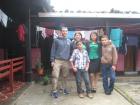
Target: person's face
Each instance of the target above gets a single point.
(104, 41)
(64, 32)
(93, 37)
(77, 37)
(79, 45)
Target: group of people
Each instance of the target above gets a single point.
(86, 58)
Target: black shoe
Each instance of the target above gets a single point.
(54, 94)
(107, 92)
(93, 90)
(66, 92)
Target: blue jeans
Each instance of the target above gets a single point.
(108, 76)
(84, 74)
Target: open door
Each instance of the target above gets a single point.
(130, 59)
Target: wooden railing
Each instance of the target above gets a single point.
(18, 64)
(11, 66)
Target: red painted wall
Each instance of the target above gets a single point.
(120, 63)
(138, 60)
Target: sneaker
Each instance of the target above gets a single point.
(81, 95)
(55, 94)
(66, 92)
(107, 92)
(89, 95)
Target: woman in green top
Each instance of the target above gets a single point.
(94, 55)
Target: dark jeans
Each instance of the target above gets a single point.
(81, 73)
(108, 76)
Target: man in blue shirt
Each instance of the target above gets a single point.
(60, 54)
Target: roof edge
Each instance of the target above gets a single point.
(88, 15)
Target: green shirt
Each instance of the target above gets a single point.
(84, 47)
(94, 50)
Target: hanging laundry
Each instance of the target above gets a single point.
(56, 33)
(49, 32)
(116, 37)
(0, 15)
(21, 32)
(100, 33)
(43, 34)
(3, 18)
(43, 31)
(37, 38)
(38, 28)
(70, 34)
(123, 48)
(132, 40)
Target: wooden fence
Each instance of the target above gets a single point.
(9, 67)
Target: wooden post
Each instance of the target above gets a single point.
(28, 69)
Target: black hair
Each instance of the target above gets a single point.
(78, 32)
(95, 33)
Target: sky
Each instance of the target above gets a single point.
(96, 5)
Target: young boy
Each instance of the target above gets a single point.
(80, 64)
(108, 61)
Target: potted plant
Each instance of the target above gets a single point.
(45, 80)
(39, 68)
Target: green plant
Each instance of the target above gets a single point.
(46, 79)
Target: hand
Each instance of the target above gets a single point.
(86, 68)
(114, 67)
(52, 64)
(74, 69)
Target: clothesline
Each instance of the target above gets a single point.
(103, 26)
(84, 28)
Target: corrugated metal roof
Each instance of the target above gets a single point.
(90, 15)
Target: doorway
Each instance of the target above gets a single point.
(130, 59)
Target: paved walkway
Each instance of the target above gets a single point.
(129, 87)
(37, 94)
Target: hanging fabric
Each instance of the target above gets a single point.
(49, 32)
(56, 33)
(132, 40)
(43, 31)
(21, 32)
(116, 37)
(0, 15)
(43, 34)
(123, 48)
(3, 18)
